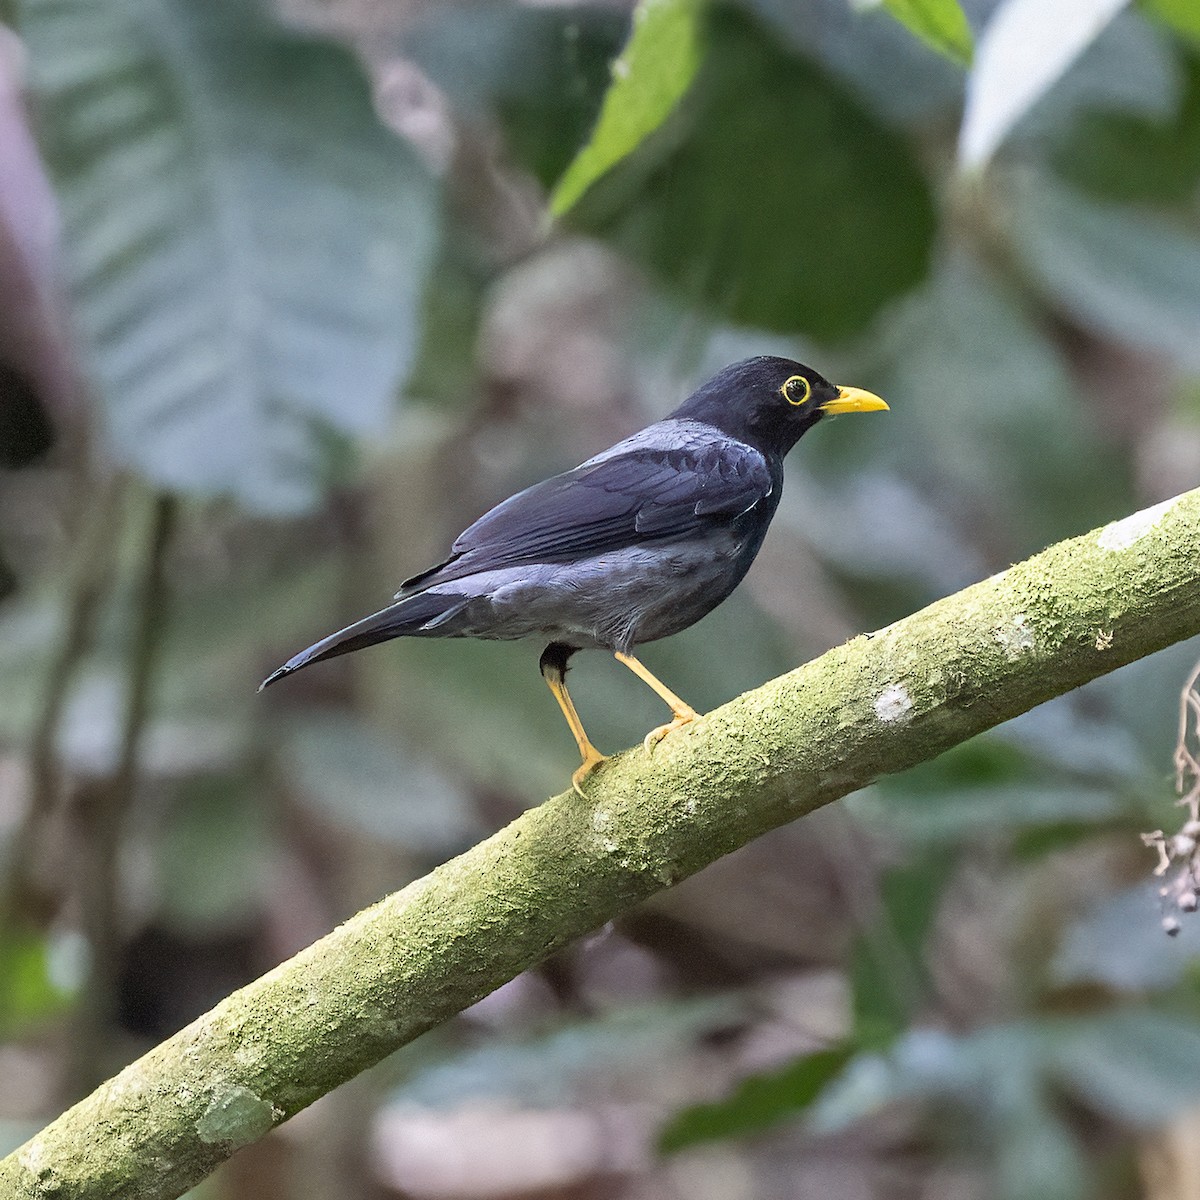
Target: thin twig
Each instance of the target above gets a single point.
(1187, 763)
(26, 897)
(1181, 891)
(103, 804)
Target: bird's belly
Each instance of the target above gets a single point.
(613, 600)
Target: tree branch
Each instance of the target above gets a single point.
(878, 704)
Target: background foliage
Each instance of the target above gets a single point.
(325, 282)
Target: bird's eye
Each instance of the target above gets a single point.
(796, 390)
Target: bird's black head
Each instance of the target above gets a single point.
(770, 402)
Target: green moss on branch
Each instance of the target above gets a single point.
(878, 704)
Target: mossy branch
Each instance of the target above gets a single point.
(878, 704)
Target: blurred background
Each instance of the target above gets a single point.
(290, 295)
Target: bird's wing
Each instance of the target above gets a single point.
(657, 485)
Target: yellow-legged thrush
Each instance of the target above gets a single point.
(635, 544)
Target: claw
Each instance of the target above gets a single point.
(585, 768)
(656, 735)
(683, 712)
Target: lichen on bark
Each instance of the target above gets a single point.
(880, 703)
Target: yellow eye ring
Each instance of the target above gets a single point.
(791, 390)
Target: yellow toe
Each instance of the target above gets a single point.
(656, 735)
(585, 768)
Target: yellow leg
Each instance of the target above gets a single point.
(683, 712)
(591, 756)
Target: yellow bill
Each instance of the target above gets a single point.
(852, 399)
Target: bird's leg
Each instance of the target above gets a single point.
(684, 713)
(553, 666)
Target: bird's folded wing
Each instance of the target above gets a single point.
(627, 496)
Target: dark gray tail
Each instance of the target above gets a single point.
(423, 613)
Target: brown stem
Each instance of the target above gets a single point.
(27, 897)
(102, 805)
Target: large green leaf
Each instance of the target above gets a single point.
(977, 812)
(940, 23)
(247, 243)
(654, 71)
(777, 200)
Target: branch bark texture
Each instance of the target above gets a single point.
(876, 705)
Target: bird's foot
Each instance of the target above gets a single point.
(591, 761)
(683, 716)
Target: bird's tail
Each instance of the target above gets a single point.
(423, 613)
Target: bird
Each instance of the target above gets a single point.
(635, 544)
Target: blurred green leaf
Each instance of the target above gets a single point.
(1132, 1065)
(1124, 273)
(1034, 781)
(1036, 1153)
(248, 243)
(1182, 15)
(779, 202)
(1080, 737)
(214, 857)
(1123, 156)
(975, 812)
(654, 71)
(939, 23)
(1023, 51)
(889, 973)
(544, 1069)
(1136, 1066)
(360, 779)
(759, 1102)
(999, 1084)
(925, 1065)
(1119, 944)
(542, 70)
(29, 991)
(983, 401)
(544, 125)
(900, 78)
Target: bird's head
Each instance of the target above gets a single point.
(770, 402)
